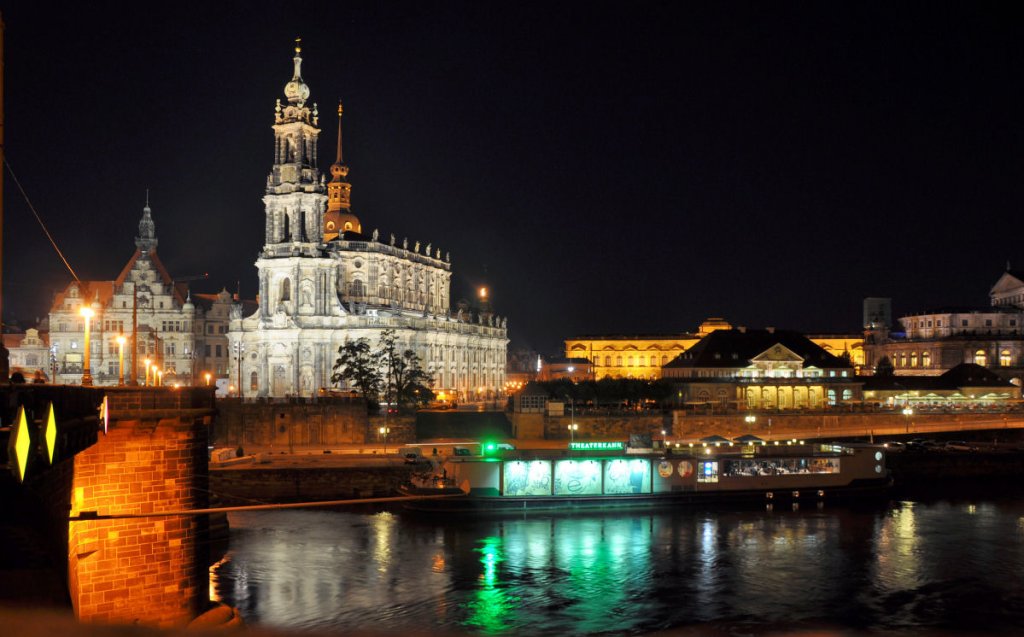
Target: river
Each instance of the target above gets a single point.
(914, 568)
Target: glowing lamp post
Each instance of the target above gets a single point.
(573, 427)
(907, 413)
(120, 359)
(86, 371)
(207, 376)
(160, 378)
(384, 434)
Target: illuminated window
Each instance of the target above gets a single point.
(254, 382)
(1004, 358)
(926, 359)
(980, 358)
(913, 359)
(832, 397)
(847, 394)
(707, 471)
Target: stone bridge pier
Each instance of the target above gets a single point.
(126, 562)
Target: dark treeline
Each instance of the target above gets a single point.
(610, 392)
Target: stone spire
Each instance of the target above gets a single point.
(146, 241)
(339, 217)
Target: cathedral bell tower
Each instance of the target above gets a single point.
(294, 198)
(339, 218)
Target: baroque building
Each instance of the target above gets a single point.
(154, 313)
(324, 281)
(644, 356)
(933, 342)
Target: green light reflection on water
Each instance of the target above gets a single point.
(600, 566)
(491, 606)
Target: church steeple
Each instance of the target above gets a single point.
(339, 218)
(146, 241)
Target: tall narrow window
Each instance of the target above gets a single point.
(980, 358)
(286, 290)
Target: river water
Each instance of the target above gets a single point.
(914, 568)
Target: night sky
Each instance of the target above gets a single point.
(602, 167)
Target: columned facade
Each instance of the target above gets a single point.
(323, 282)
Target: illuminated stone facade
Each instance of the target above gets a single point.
(643, 356)
(636, 356)
(172, 329)
(762, 369)
(930, 343)
(323, 282)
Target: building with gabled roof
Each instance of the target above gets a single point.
(169, 330)
(964, 386)
(762, 369)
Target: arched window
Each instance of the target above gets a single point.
(913, 359)
(1004, 358)
(254, 382)
(618, 361)
(607, 361)
(926, 359)
(903, 360)
(630, 361)
(357, 288)
(847, 394)
(980, 358)
(664, 360)
(286, 290)
(832, 397)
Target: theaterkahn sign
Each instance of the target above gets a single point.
(596, 445)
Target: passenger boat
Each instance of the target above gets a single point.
(610, 474)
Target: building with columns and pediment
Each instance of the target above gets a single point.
(324, 281)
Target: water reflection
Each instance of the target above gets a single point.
(902, 567)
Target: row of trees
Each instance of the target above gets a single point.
(389, 370)
(620, 392)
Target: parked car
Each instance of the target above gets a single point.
(960, 445)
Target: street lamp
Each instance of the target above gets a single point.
(750, 419)
(120, 359)
(147, 361)
(53, 363)
(86, 313)
(572, 432)
(159, 378)
(384, 432)
(907, 413)
(207, 376)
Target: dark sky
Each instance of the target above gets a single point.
(602, 167)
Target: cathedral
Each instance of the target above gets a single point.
(324, 281)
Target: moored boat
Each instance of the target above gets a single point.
(610, 474)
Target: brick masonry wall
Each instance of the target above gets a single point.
(150, 570)
(290, 424)
(234, 486)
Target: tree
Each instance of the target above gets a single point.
(360, 368)
(884, 367)
(404, 377)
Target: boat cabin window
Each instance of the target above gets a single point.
(707, 471)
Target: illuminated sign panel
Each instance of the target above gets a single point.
(578, 477)
(597, 446)
(527, 478)
(622, 476)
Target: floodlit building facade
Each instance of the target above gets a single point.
(933, 342)
(325, 281)
(154, 313)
